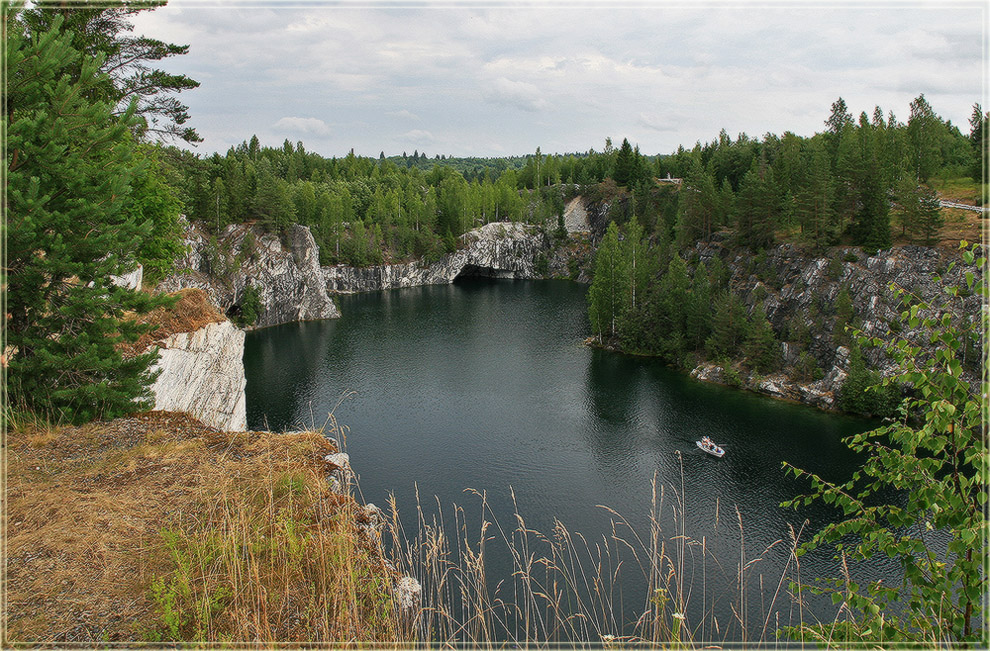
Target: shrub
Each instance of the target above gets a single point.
(834, 270)
(251, 306)
(861, 392)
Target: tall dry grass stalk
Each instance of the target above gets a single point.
(566, 588)
(274, 556)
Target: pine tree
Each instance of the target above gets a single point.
(758, 207)
(673, 298)
(978, 141)
(923, 134)
(844, 313)
(728, 327)
(814, 200)
(700, 206)
(68, 231)
(100, 32)
(699, 308)
(838, 121)
(930, 219)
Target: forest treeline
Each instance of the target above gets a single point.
(836, 184)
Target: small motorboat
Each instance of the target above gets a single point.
(710, 447)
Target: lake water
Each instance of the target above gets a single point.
(486, 385)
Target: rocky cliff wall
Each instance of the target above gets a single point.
(202, 374)
(498, 250)
(799, 292)
(286, 275)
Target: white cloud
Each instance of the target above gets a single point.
(314, 126)
(660, 73)
(520, 94)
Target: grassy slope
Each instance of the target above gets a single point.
(157, 528)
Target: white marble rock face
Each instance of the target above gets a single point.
(202, 374)
(499, 250)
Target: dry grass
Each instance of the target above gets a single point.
(155, 528)
(191, 311)
(567, 589)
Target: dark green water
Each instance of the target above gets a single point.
(486, 385)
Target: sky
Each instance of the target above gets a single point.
(493, 79)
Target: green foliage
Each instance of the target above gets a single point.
(250, 305)
(729, 324)
(978, 140)
(834, 270)
(731, 375)
(761, 346)
(924, 132)
(862, 392)
(100, 32)
(843, 316)
(624, 164)
(934, 456)
(541, 265)
(758, 207)
(152, 201)
(68, 230)
(806, 368)
(609, 286)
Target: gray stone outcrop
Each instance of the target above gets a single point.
(285, 274)
(799, 289)
(202, 374)
(497, 250)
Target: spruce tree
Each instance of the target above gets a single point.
(761, 346)
(728, 327)
(608, 289)
(699, 308)
(625, 164)
(930, 220)
(68, 231)
(924, 130)
(758, 207)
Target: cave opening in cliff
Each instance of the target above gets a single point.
(474, 271)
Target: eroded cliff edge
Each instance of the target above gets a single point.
(200, 366)
(283, 273)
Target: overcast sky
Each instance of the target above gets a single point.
(493, 80)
